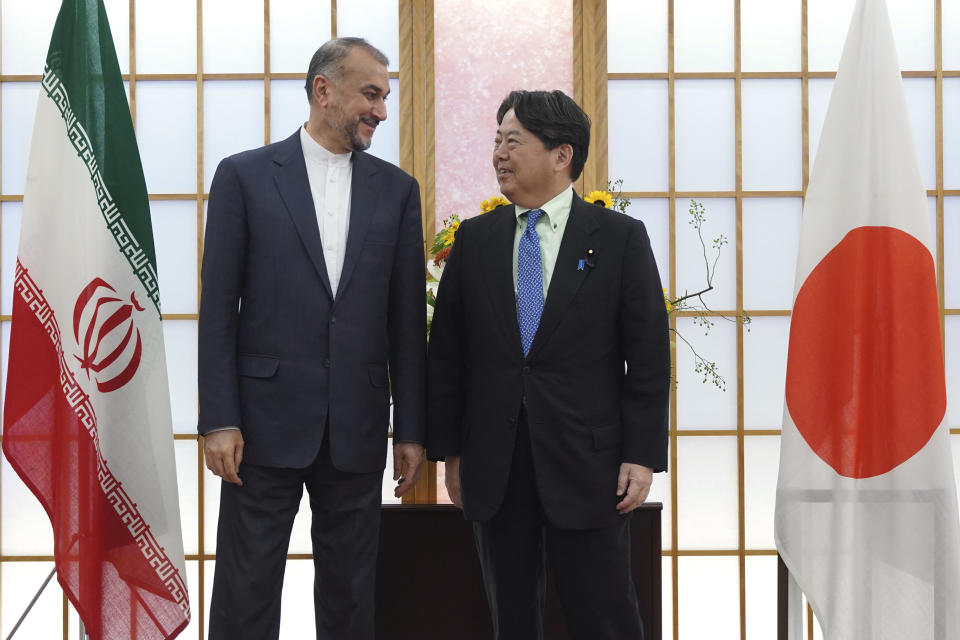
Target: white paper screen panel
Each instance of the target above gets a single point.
(24, 52)
(296, 603)
(4, 357)
(760, 580)
(226, 24)
(705, 126)
(232, 121)
(771, 238)
(297, 29)
(827, 25)
(772, 134)
(952, 356)
(666, 596)
(19, 582)
(818, 98)
(386, 139)
(26, 528)
(912, 22)
(922, 109)
(209, 570)
(300, 534)
(721, 219)
(167, 135)
(378, 21)
(289, 108)
(950, 14)
(118, 16)
(770, 35)
(701, 405)
(951, 252)
(761, 461)
(186, 460)
(637, 36)
(211, 510)
(19, 103)
(175, 239)
(709, 597)
(707, 492)
(660, 492)
(955, 447)
(765, 371)
(951, 131)
(655, 214)
(193, 588)
(180, 342)
(639, 143)
(10, 215)
(166, 36)
(703, 35)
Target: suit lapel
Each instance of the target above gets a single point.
(294, 187)
(364, 191)
(498, 264)
(567, 278)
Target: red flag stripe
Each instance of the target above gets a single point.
(109, 563)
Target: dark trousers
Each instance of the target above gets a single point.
(591, 567)
(254, 535)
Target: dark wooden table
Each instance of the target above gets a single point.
(429, 585)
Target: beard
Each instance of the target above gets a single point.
(351, 130)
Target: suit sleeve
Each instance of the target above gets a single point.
(407, 326)
(224, 257)
(644, 401)
(446, 355)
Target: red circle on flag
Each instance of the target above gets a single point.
(865, 378)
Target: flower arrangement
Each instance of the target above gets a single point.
(690, 304)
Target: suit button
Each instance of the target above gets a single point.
(526, 369)
(333, 319)
(326, 363)
(512, 422)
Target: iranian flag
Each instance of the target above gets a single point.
(866, 515)
(87, 414)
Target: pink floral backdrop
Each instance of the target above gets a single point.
(484, 50)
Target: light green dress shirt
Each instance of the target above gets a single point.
(549, 228)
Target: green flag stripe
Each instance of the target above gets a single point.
(83, 79)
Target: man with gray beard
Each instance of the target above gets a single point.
(311, 316)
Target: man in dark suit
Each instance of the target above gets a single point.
(549, 377)
(311, 315)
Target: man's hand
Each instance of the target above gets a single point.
(408, 459)
(451, 478)
(633, 485)
(223, 451)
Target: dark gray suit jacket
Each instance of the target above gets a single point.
(280, 356)
(596, 380)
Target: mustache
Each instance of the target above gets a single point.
(372, 122)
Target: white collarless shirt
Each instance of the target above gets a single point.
(329, 175)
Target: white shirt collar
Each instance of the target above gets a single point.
(313, 151)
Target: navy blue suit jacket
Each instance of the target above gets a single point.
(279, 355)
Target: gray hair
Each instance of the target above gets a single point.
(328, 59)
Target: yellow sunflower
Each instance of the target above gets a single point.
(493, 203)
(601, 198)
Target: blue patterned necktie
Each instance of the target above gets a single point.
(529, 281)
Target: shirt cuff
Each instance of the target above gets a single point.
(221, 429)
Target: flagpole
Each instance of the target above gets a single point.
(36, 597)
(83, 630)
